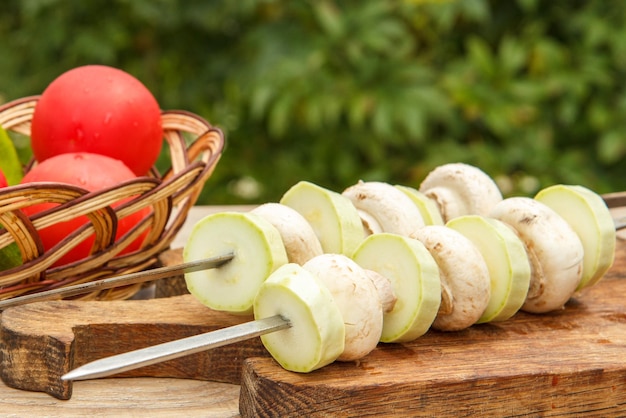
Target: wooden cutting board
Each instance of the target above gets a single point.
(571, 362)
(43, 341)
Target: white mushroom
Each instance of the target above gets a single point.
(298, 236)
(465, 283)
(461, 189)
(357, 299)
(384, 208)
(554, 249)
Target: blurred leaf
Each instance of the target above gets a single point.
(481, 56)
(329, 17)
(612, 147)
(359, 109)
(413, 120)
(382, 119)
(528, 5)
(279, 115)
(260, 100)
(313, 113)
(332, 109)
(512, 55)
(334, 91)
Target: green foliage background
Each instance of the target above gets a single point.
(329, 91)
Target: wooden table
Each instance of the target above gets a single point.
(136, 397)
(130, 397)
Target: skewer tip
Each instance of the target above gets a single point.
(86, 372)
(73, 375)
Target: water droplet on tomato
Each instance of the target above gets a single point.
(107, 118)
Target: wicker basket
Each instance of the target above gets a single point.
(170, 197)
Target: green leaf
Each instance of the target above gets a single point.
(528, 5)
(312, 113)
(10, 256)
(382, 119)
(611, 147)
(279, 116)
(329, 18)
(259, 101)
(512, 54)
(332, 110)
(414, 121)
(359, 108)
(9, 161)
(481, 55)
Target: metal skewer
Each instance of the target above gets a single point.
(123, 280)
(177, 348)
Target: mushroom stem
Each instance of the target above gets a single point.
(384, 288)
(447, 299)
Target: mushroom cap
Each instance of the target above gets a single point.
(465, 281)
(461, 189)
(555, 251)
(384, 208)
(297, 234)
(357, 299)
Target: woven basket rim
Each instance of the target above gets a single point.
(168, 195)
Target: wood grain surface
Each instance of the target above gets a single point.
(152, 397)
(566, 363)
(42, 341)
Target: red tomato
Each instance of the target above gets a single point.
(91, 172)
(102, 110)
(3, 180)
